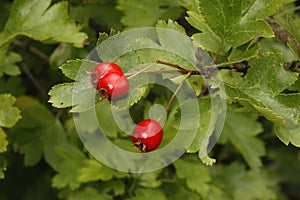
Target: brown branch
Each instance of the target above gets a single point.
(282, 34)
(179, 69)
(35, 82)
(34, 51)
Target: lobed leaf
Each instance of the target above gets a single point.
(196, 176)
(262, 90)
(38, 135)
(241, 130)
(40, 21)
(139, 13)
(8, 66)
(9, 114)
(233, 23)
(239, 183)
(93, 170)
(3, 141)
(77, 69)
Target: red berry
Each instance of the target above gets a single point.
(103, 69)
(113, 85)
(147, 135)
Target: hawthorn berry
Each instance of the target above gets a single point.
(103, 69)
(147, 135)
(113, 85)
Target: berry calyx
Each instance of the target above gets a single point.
(147, 135)
(103, 69)
(113, 85)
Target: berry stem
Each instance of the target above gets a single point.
(172, 98)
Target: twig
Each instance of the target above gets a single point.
(25, 45)
(282, 34)
(35, 82)
(179, 69)
(152, 71)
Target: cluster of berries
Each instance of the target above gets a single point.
(109, 79)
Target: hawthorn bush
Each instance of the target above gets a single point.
(255, 44)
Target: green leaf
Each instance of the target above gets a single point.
(86, 193)
(273, 45)
(265, 80)
(61, 95)
(179, 191)
(74, 69)
(195, 174)
(295, 86)
(143, 13)
(40, 21)
(293, 48)
(68, 163)
(291, 24)
(148, 194)
(262, 90)
(269, 114)
(170, 24)
(64, 52)
(232, 24)
(12, 85)
(9, 114)
(244, 52)
(210, 124)
(28, 135)
(242, 184)
(93, 170)
(7, 66)
(209, 42)
(241, 130)
(79, 95)
(288, 135)
(260, 78)
(100, 12)
(204, 128)
(3, 141)
(38, 135)
(183, 47)
(149, 180)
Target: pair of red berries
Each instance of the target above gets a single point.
(109, 80)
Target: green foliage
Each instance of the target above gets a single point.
(51, 21)
(243, 136)
(233, 24)
(144, 10)
(255, 45)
